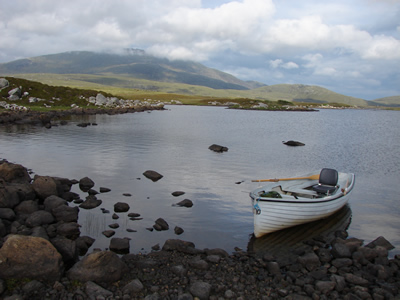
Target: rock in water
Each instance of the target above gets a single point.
(218, 148)
(153, 175)
(293, 143)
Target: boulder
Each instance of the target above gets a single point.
(7, 214)
(3, 83)
(178, 193)
(294, 143)
(91, 202)
(44, 186)
(218, 148)
(30, 257)
(185, 203)
(38, 218)
(26, 207)
(52, 202)
(310, 261)
(104, 190)
(121, 207)
(40, 231)
(153, 175)
(67, 248)
(14, 173)
(69, 230)
(380, 241)
(133, 287)
(63, 184)
(200, 290)
(161, 224)
(119, 245)
(178, 230)
(85, 184)
(182, 246)
(66, 213)
(102, 266)
(15, 94)
(9, 197)
(340, 250)
(101, 100)
(3, 229)
(83, 243)
(96, 291)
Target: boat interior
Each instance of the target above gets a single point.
(328, 184)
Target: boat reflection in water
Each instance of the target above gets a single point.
(291, 240)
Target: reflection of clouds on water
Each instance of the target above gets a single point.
(175, 143)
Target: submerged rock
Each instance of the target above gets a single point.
(153, 175)
(185, 203)
(218, 148)
(294, 143)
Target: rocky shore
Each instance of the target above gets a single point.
(43, 256)
(55, 117)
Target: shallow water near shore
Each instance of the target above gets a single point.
(175, 142)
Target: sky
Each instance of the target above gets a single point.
(351, 47)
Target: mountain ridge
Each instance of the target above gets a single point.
(135, 69)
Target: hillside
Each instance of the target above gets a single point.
(393, 101)
(134, 64)
(136, 70)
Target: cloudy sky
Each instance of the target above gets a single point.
(348, 46)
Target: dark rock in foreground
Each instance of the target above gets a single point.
(218, 148)
(40, 245)
(30, 257)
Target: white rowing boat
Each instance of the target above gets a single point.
(288, 202)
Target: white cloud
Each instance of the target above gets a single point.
(303, 41)
(275, 63)
(290, 65)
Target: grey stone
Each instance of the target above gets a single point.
(153, 175)
(133, 287)
(85, 184)
(121, 207)
(201, 290)
(101, 266)
(20, 257)
(340, 250)
(38, 218)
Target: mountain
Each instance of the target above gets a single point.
(134, 69)
(133, 63)
(393, 101)
(307, 93)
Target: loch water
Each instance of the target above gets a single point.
(175, 142)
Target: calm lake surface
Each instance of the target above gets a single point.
(175, 143)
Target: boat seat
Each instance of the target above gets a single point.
(328, 179)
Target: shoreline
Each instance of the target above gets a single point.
(36, 215)
(48, 118)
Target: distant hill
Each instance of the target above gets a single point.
(393, 101)
(134, 69)
(133, 63)
(307, 93)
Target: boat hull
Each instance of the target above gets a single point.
(273, 214)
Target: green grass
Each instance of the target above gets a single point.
(61, 91)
